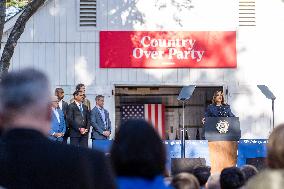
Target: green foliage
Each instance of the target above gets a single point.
(16, 3)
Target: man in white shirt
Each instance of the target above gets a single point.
(58, 126)
(59, 92)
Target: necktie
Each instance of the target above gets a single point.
(103, 117)
(81, 109)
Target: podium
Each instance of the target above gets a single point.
(223, 134)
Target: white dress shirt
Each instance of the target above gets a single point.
(102, 112)
(56, 114)
(60, 104)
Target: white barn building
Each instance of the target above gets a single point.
(58, 41)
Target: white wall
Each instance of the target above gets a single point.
(53, 43)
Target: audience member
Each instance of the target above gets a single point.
(249, 171)
(181, 166)
(167, 177)
(213, 182)
(185, 181)
(268, 179)
(232, 178)
(202, 174)
(138, 156)
(28, 159)
(275, 149)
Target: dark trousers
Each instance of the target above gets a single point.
(65, 140)
(79, 141)
(65, 137)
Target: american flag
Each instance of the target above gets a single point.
(154, 113)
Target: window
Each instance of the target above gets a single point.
(88, 14)
(247, 13)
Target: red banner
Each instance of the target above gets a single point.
(157, 49)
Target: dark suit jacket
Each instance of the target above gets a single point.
(29, 160)
(64, 108)
(98, 123)
(218, 111)
(76, 120)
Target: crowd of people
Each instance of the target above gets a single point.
(33, 153)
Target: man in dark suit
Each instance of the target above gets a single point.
(82, 87)
(27, 158)
(100, 121)
(79, 120)
(59, 92)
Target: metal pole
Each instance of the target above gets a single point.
(273, 114)
(182, 132)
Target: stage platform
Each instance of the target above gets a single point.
(250, 151)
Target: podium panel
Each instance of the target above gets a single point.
(222, 129)
(222, 134)
(222, 154)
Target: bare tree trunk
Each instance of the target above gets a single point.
(16, 33)
(2, 18)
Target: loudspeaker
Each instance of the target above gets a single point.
(179, 165)
(258, 162)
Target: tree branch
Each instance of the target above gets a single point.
(2, 18)
(16, 33)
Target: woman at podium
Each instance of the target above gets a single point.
(218, 108)
(223, 152)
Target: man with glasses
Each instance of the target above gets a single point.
(58, 126)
